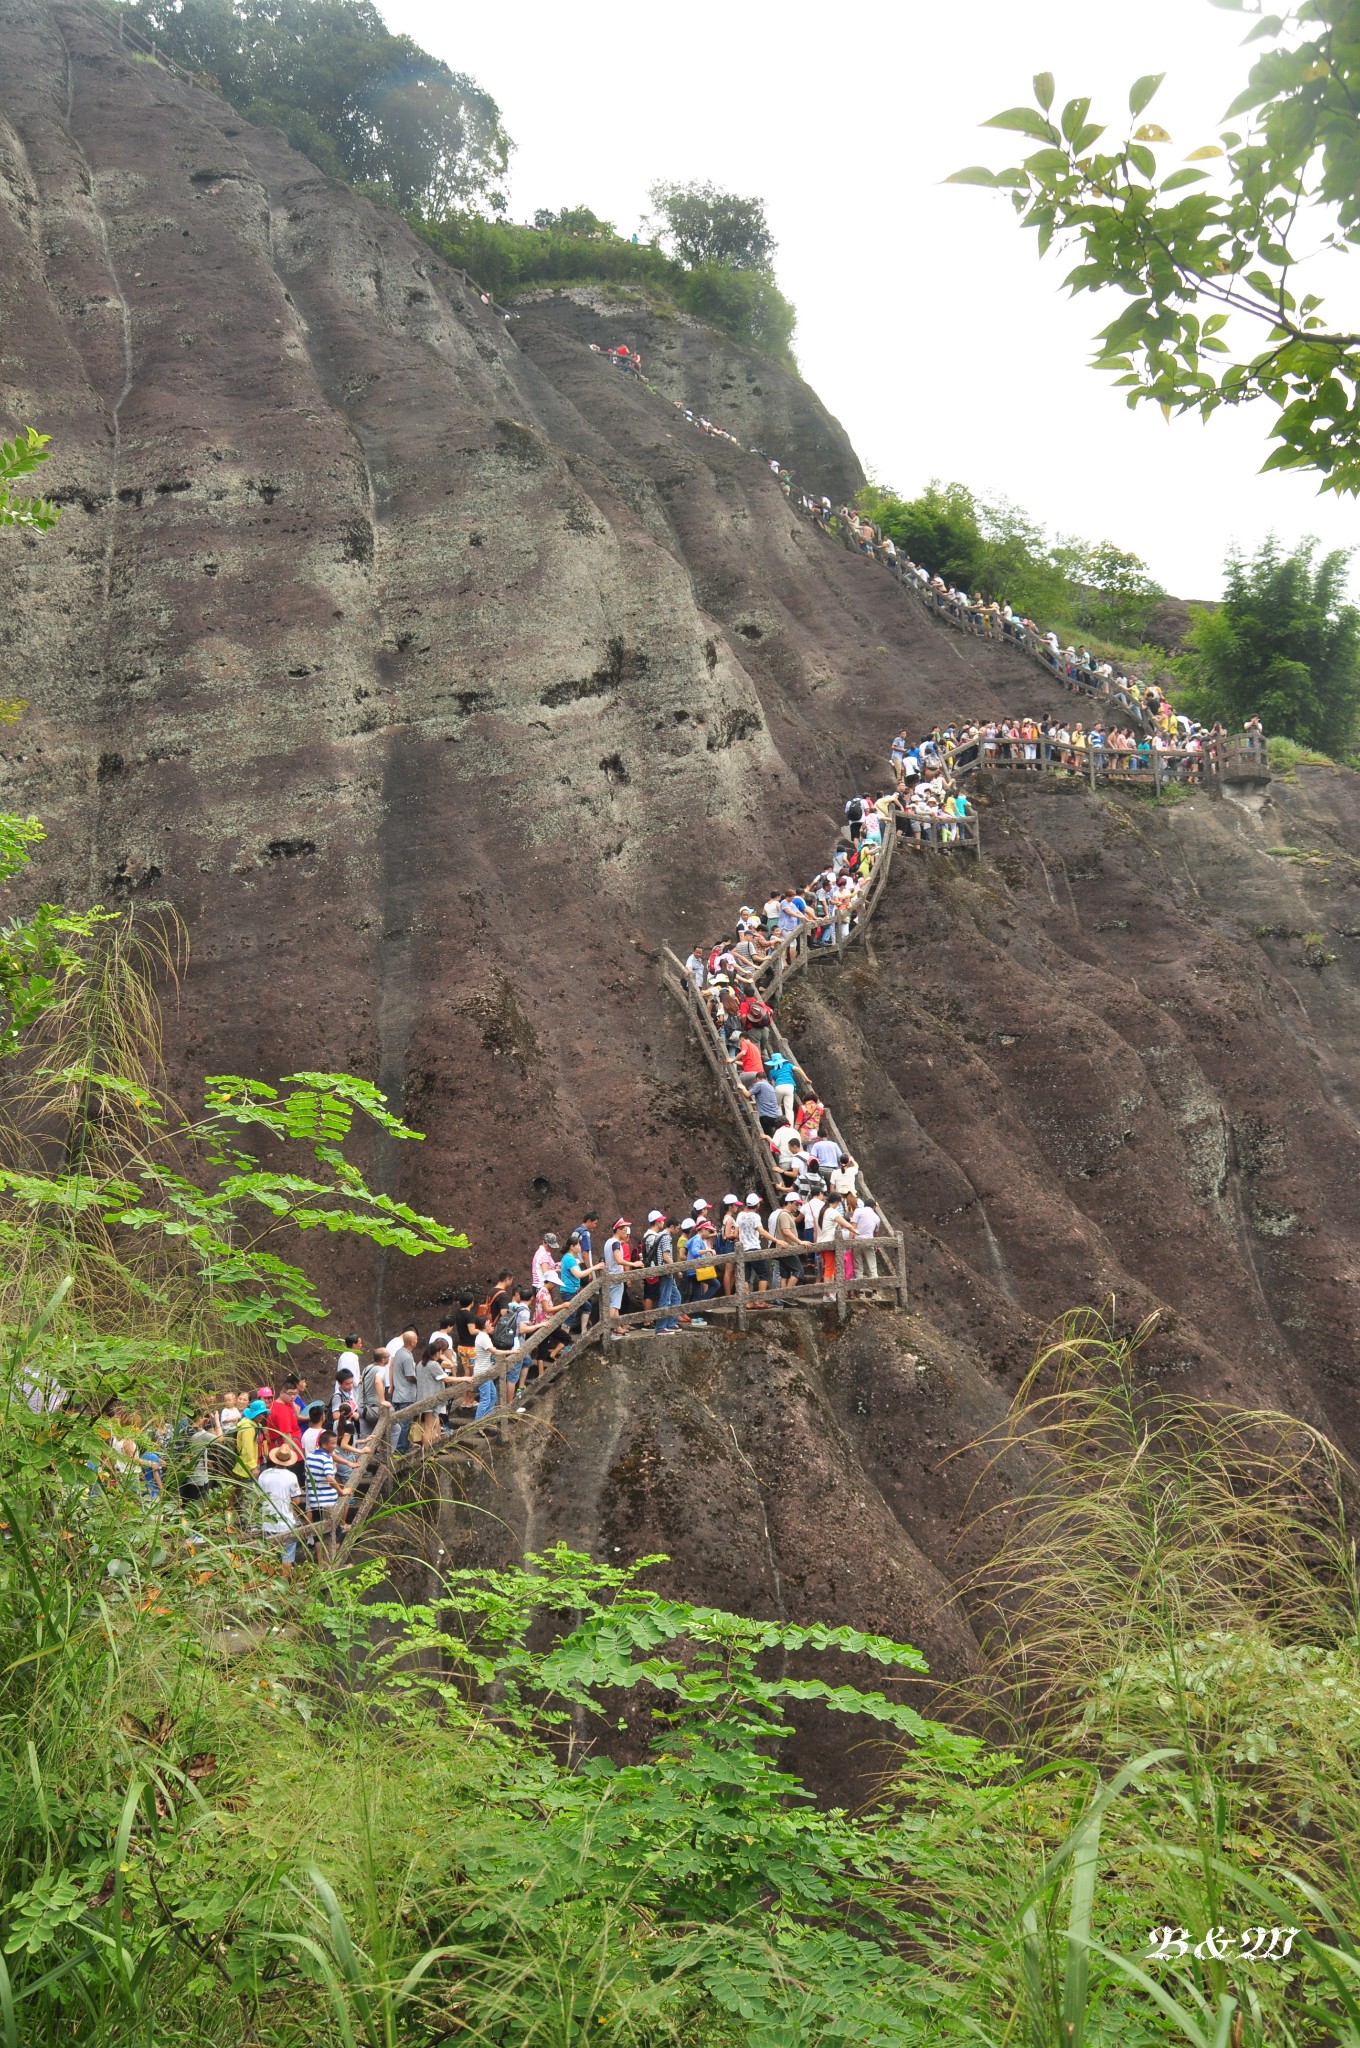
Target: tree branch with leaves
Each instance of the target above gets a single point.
(18, 458)
(1207, 246)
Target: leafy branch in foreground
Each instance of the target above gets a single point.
(1193, 247)
(162, 1214)
(20, 457)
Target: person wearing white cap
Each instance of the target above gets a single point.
(750, 1231)
(727, 1238)
(667, 1292)
(651, 1255)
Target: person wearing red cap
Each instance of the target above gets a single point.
(619, 1263)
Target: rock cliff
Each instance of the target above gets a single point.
(437, 675)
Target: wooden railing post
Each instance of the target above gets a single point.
(839, 1242)
(742, 1290)
(1156, 755)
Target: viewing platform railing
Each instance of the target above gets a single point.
(1237, 758)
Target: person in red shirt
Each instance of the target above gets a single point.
(281, 1424)
(749, 1058)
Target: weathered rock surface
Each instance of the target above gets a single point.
(437, 675)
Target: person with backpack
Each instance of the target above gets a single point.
(667, 1289)
(345, 1396)
(651, 1256)
(508, 1329)
(854, 817)
(487, 1356)
(373, 1394)
(756, 1019)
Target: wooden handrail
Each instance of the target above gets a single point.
(1219, 760)
(379, 1461)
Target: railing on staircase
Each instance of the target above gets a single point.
(1217, 760)
(792, 957)
(873, 1269)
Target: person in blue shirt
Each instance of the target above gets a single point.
(699, 1247)
(779, 1072)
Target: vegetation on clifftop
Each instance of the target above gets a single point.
(407, 130)
(506, 258)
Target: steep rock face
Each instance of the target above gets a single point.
(437, 674)
(797, 1472)
(744, 393)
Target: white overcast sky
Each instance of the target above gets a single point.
(926, 321)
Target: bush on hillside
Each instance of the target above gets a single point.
(506, 258)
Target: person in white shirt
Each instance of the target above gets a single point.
(278, 1482)
(750, 1233)
(865, 1225)
(349, 1357)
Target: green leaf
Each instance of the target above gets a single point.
(1143, 91)
(1043, 89)
(1180, 178)
(1150, 132)
(975, 174)
(1074, 118)
(1026, 122)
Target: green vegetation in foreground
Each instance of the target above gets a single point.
(1204, 246)
(546, 1805)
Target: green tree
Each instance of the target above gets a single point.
(1113, 592)
(361, 102)
(703, 225)
(1205, 247)
(995, 550)
(1284, 645)
(573, 220)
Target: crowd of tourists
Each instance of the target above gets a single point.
(1144, 702)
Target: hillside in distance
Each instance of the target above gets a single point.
(437, 676)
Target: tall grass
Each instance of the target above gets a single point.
(1173, 1654)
